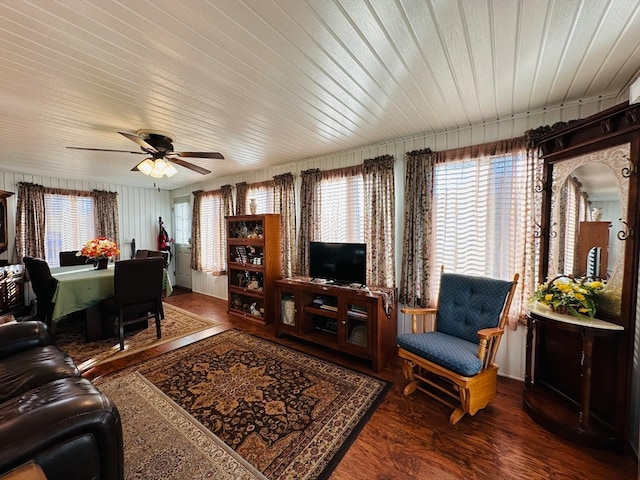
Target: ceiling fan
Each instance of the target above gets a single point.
(160, 147)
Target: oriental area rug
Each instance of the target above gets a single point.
(70, 337)
(237, 406)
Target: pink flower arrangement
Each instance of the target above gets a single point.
(99, 248)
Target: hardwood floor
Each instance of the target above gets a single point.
(410, 437)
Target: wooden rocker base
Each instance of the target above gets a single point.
(465, 395)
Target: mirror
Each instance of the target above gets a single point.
(587, 227)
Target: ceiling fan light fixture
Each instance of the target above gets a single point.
(157, 168)
(170, 171)
(146, 166)
(160, 165)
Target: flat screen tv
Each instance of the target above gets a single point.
(342, 263)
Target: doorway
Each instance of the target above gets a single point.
(182, 241)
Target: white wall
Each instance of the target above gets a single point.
(140, 208)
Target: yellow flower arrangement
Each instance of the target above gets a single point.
(565, 294)
(100, 247)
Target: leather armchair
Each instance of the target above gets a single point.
(50, 415)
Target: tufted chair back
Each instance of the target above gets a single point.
(468, 304)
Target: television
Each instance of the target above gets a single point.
(341, 263)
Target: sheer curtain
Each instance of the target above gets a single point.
(480, 214)
(262, 193)
(284, 199)
(208, 229)
(340, 205)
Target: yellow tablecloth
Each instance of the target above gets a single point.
(82, 286)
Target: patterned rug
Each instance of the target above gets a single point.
(70, 337)
(288, 414)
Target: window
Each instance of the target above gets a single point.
(263, 194)
(341, 199)
(479, 216)
(213, 236)
(70, 222)
(182, 223)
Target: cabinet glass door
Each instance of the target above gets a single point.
(357, 326)
(288, 310)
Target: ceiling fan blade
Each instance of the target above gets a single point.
(105, 150)
(215, 155)
(190, 166)
(134, 138)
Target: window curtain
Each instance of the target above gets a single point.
(208, 230)
(284, 199)
(508, 187)
(106, 211)
(241, 198)
(227, 199)
(309, 223)
(518, 240)
(196, 246)
(30, 221)
(340, 210)
(416, 244)
(379, 220)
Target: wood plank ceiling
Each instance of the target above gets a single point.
(267, 82)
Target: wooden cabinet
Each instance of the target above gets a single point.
(253, 259)
(354, 321)
(567, 390)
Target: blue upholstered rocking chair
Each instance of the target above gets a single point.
(455, 363)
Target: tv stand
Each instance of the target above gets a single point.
(351, 320)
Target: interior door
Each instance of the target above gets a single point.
(182, 241)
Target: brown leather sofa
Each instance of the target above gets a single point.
(49, 414)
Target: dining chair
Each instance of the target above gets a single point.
(159, 253)
(455, 363)
(153, 253)
(44, 286)
(137, 293)
(69, 258)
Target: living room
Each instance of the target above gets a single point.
(140, 206)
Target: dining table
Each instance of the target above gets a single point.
(82, 287)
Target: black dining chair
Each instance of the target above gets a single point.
(70, 258)
(137, 293)
(44, 286)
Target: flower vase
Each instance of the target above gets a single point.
(253, 206)
(102, 263)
